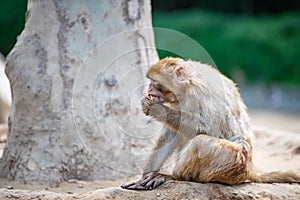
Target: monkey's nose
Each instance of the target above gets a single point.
(150, 89)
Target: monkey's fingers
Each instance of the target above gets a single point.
(126, 185)
(150, 184)
(149, 97)
(134, 186)
(146, 104)
(158, 181)
(155, 182)
(148, 178)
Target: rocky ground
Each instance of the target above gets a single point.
(277, 147)
(172, 190)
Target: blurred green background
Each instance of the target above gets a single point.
(253, 39)
(259, 40)
(12, 20)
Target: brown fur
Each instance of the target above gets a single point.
(207, 122)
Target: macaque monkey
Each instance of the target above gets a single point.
(206, 122)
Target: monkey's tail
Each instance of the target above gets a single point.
(275, 177)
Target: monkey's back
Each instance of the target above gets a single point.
(220, 107)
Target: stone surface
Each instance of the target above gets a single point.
(173, 190)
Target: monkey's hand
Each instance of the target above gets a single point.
(147, 102)
(152, 106)
(149, 181)
(160, 112)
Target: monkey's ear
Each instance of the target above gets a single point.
(180, 73)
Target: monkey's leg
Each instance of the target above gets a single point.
(151, 177)
(209, 159)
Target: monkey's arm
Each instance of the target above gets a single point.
(151, 177)
(164, 147)
(186, 124)
(161, 113)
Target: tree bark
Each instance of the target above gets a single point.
(77, 74)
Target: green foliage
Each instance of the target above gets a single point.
(264, 47)
(12, 19)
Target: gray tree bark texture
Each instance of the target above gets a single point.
(77, 74)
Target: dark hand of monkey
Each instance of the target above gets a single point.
(153, 107)
(146, 104)
(148, 182)
(156, 109)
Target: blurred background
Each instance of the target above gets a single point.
(254, 42)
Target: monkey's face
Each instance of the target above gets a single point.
(157, 98)
(159, 93)
(168, 80)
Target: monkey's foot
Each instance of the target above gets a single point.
(148, 182)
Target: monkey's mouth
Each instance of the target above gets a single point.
(154, 97)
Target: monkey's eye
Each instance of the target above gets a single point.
(159, 88)
(172, 65)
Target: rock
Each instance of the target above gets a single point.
(173, 190)
(9, 187)
(72, 181)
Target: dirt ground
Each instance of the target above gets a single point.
(277, 147)
(279, 121)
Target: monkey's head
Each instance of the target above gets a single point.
(168, 81)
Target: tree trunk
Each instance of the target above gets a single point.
(5, 98)
(77, 74)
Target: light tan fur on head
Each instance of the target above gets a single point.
(168, 72)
